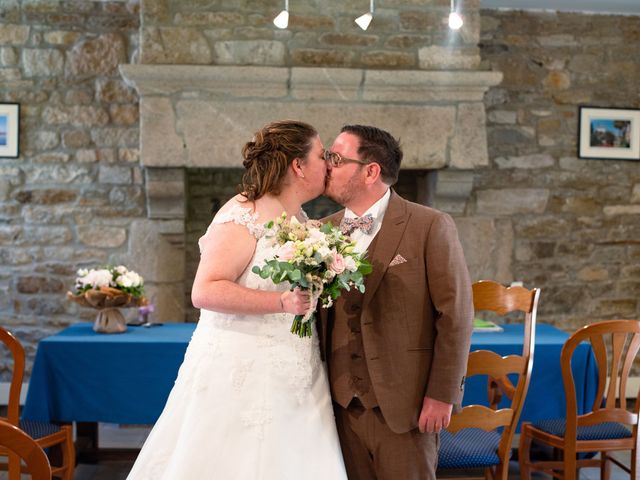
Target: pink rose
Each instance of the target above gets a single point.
(286, 252)
(337, 264)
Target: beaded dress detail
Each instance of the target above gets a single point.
(251, 401)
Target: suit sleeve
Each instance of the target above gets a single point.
(450, 289)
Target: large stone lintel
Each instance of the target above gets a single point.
(200, 116)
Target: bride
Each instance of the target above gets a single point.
(251, 400)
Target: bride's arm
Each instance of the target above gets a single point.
(226, 251)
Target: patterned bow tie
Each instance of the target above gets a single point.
(364, 223)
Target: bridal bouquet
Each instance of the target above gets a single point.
(315, 257)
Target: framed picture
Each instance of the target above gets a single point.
(9, 130)
(609, 133)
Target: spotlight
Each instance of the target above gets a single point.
(363, 21)
(455, 20)
(282, 20)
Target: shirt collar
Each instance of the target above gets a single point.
(376, 210)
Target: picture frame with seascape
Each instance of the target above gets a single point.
(9, 130)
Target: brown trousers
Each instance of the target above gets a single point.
(372, 451)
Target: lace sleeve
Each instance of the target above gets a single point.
(240, 216)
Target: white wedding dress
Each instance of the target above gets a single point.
(251, 401)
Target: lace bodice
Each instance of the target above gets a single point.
(264, 249)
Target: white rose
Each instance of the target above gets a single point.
(324, 252)
(136, 280)
(350, 264)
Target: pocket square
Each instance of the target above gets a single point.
(397, 260)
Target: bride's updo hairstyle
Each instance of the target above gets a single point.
(268, 156)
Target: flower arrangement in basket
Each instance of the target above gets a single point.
(108, 289)
(316, 257)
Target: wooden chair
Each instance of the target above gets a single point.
(603, 429)
(23, 447)
(480, 437)
(45, 434)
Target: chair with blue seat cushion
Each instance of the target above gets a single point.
(20, 445)
(480, 436)
(468, 448)
(609, 426)
(45, 434)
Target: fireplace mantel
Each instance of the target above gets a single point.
(200, 116)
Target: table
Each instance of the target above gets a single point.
(82, 376)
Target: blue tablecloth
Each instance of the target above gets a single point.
(80, 375)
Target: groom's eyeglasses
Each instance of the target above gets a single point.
(336, 160)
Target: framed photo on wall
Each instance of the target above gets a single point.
(609, 133)
(9, 130)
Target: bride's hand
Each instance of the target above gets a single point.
(296, 301)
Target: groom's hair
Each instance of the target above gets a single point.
(379, 146)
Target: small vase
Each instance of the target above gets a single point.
(109, 320)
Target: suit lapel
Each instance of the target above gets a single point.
(393, 225)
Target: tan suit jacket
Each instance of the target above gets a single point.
(416, 319)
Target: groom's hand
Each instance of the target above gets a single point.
(435, 415)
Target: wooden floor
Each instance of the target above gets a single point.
(112, 436)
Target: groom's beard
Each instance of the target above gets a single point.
(345, 195)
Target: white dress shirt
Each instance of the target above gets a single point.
(377, 210)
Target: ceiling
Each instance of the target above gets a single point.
(625, 7)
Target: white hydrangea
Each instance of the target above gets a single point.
(129, 279)
(95, 278)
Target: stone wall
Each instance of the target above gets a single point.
(571, 226)
(71, 197)
(405, 34)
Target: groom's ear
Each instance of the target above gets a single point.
(372, 173)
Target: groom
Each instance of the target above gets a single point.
(397, 355)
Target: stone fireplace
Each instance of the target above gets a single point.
(200, 116)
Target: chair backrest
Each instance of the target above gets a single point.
(494, 297)
(615, 344)
(25, 447)
(17, 351)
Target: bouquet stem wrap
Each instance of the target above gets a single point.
(107, 301)
(303, 324)
(109, 320)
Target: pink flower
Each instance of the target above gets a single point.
(337, 264)
(287, 251)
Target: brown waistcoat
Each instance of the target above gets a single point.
(348, 371)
